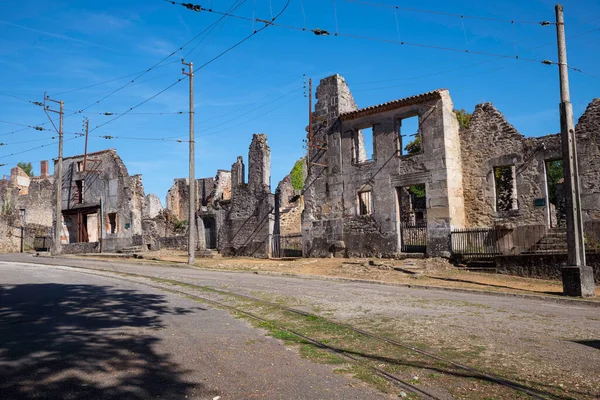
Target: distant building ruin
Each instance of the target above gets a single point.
(26, 202)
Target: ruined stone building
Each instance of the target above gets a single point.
(376, 187)
(353, 195)
(101, 204)
(498, 155)
(26, 202)
(237, 217)
(248, 221)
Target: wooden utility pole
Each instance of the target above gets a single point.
(192, 183)
(578, 279)
(57, 173)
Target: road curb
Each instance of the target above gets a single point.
(525, 296)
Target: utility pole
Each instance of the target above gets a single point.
(87, 132)
(192, 183)
(578, 279)
(58, 172)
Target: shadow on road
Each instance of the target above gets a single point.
(85, 341)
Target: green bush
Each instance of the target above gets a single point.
(297, 175)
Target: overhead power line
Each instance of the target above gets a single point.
(449, 14)
(37, 128)
(109, 137)
(197, 69)
(324, 32)
(37, 147)
(153, 67)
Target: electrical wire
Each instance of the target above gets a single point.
(37, 147)
(108, 137)
(37, 128)
(254, 109)
(206, 133)
(383, 5)
(119, 115)
(324, 32)
(198, 68)
(142, 73)
(250, 104)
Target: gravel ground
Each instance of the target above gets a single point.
(546, 343)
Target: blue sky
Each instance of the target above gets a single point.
(258, 86)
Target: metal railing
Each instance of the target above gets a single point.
(287, 245)
(487, 243)
(413, 238)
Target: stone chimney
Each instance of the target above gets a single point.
(44, 169)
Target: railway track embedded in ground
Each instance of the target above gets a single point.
(357, 359)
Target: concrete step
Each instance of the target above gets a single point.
(132, 249)
(403, 256)
(207, 253)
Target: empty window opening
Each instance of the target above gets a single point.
(556, 199)
(505, 188)
(79, 166)
(363, 145)
(365, 203)
(78, 192)
(413, 205)
(409, 136)
(112, 222)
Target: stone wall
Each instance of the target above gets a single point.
(490, 141)
(248, 222)
(291, 206)
(32, 195)
(99, 189)
(178, 199)
(332, 215)
(542, 266)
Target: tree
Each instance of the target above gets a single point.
(297, 175)
(414, 147)
(464, 118)
(555, 173)
(26, 167)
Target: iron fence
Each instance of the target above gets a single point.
(413, 238)
(487, 243)
(287, 245)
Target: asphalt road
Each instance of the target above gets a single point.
(210, 354)
(70, 335)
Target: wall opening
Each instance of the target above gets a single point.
(82, 226)
(556, 200)
(78, 191)
(412, 218)
(112, 222)
(505, 188)
(410, 141)
(364, 149)
(365, 203)
(412, 203)
(210, 232)
(79, 166)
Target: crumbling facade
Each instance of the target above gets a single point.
(102, 206)
(352, 196)
(26, 202)
(233, 217)
(491, 143)
(372, 187)
(249, 219)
